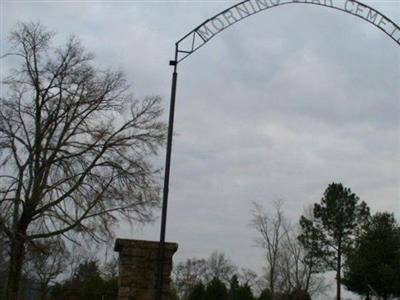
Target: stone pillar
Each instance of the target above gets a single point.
(138, 265)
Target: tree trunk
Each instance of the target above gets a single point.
(15, 268)
(43, 291)
(338, 275)
(271, 284)
(309, 274)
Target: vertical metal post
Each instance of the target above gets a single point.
(159, 283)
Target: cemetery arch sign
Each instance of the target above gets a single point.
(199, 36)
(204, 32)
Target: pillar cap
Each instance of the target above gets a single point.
(143, 244)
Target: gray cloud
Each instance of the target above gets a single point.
(277, 106)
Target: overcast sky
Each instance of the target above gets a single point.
(276, 107)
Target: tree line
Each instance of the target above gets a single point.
(86, 279)
(337, 234)
(76, 153)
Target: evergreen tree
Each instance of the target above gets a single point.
(86, 284)
(234, 287)
(373, 267)
(337, 219)
(216, 290)
(198, 292)
(86, 271)
(173, 295)
(244, 293)
(92, 289)
(239, 292)
(299, 295)
(265, 295)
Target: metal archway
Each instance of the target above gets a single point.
(199, 36)
(204, 32)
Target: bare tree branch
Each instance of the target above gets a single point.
(75, 146)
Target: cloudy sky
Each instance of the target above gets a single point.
(275, 107)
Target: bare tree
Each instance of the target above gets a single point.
(45, 260)
(297, 270)
(74, 147)
(187, 274)
(219, 266)
(248, 277)
(271, 232)
(110, 268)
(290, 266)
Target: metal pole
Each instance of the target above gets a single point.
(159, 283)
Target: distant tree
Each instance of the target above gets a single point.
(239, 291)
(186, 275)
(244, 292)
(198, 292)
(250, 278)
(265, 295)
(216, 290)
(57, 291)
(110, 268)
(271, 232)
(313, 251)
(293, 295)
(189, 274)
(110, 289)
(299, 295)
(298, 268)
(173, 294)
(74, 147)
(87, 270)
(233, 288)
(44, 262)
(373, 266)
(338, 218)
(86, 284)
(92, 289)
(220, 267)
(109, 274)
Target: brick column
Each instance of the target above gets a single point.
(138, 265)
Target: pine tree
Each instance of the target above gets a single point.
(198, 292)
(373, 267)
(234, 286)
(337, 219)
(244, 293)
(216, 290)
